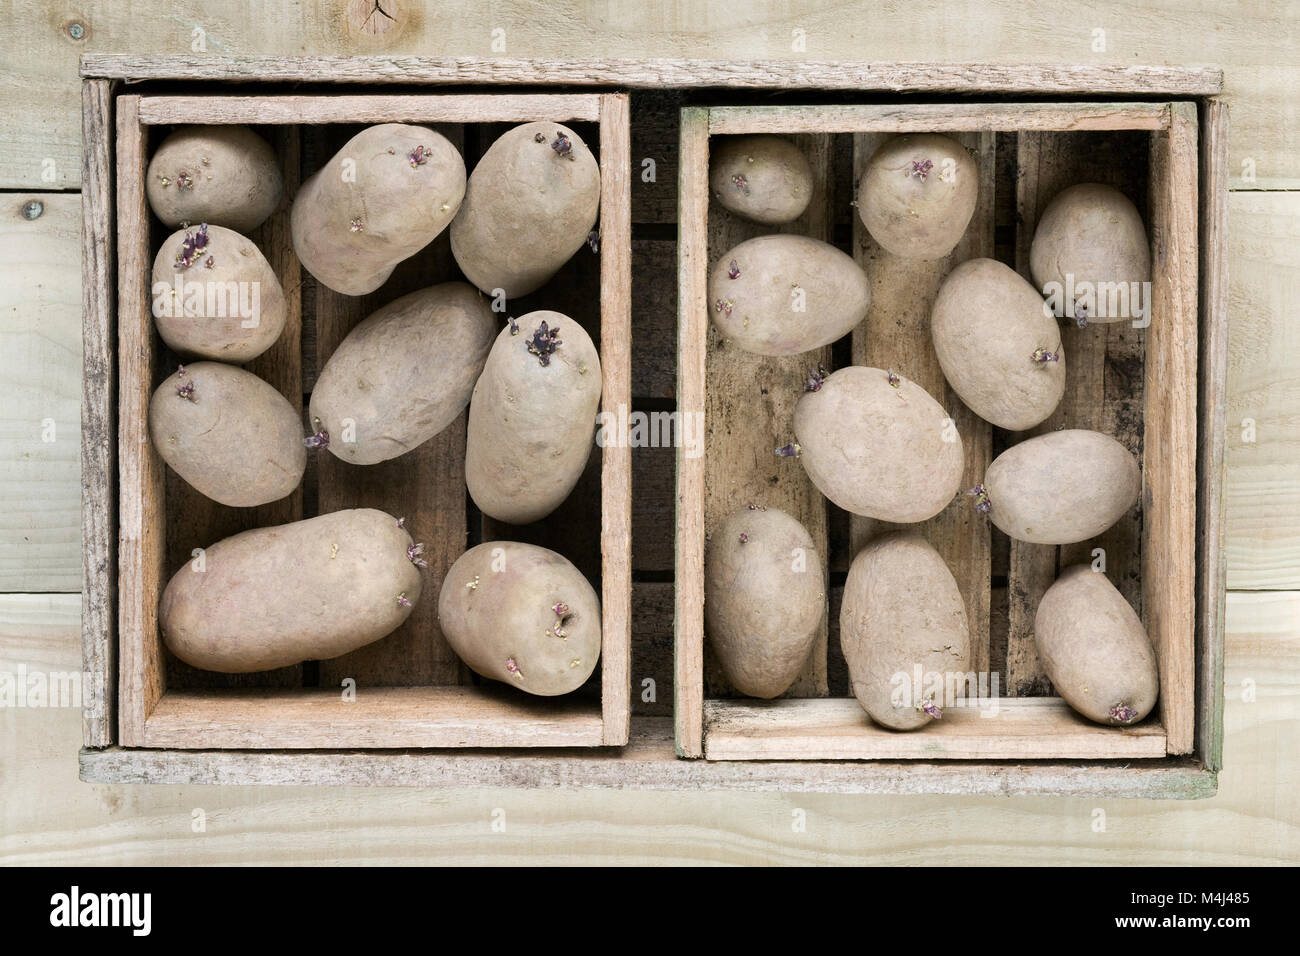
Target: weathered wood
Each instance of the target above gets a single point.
(929, 117)
(616, 393)
(692, 349)
(896, 335)
(98, 418)
(460, 108)
(1169, 449)
(1211, 563)
(142, 529)
(1099, 79)
(654, 303)
(749, 410)
(839, 729)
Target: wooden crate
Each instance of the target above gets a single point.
(410, 688)
(1139, 385)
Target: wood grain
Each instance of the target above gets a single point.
(459, 108)
(929, 117)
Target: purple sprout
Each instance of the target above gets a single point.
(815, 379)
(512, 667)
(186, 391)
(1042, 356)
(928, 706)
(403, 600)
(413, 554)
(744, 537)
(741, 183)
(754, 507)
(544, 343)
(561, 609)
(539, 138)
(1081, 315)
(514, 325)
(401, 522)
(920, 168)
(792, 450)
(184, 180)
(1123, 714)
(192, 247)
(418, 156)
(562, 146)
(895, 381)
(724, 305)
(593, 240)
(733, 270)
(209, 262)
(356, 225)
(982, 503)
(320, 439)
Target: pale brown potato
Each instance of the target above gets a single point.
(530, 205)
(918, 194)
(903, 610)
(878, 449)
(222, 175)
(1095, 650)
(532, 418)
(309, 590)
(403, 374)
(764, 598)
(998, 348)
(1061, 487)
(230, 435)
(382, 198)
(215, 296)
(522, 615)
(1091, 249)
(782, 295)
(761, 178)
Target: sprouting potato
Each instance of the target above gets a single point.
(761, 178)
(222, 175)
(918, 194)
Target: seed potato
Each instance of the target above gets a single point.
(222, 175)
(999, 350)
(309, 590)
(215, 296)
(522, 615)
(761, 178)
(1095, 650)
(530, 205)
(918, 194)
(782, 295)
(764, 597)
(877, 449)
(403, 374)
(902, 609)
(382, 198)
(1062, 487)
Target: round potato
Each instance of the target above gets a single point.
(781, 295)
(999, 349)
(761, 178)
(903, 629)
(1061, 487)
(522, 615)
(764, 599)
(1091, 257)
(215, 296)
(230, 435)
(309, 590)
(532, 418)
(1095, 650)
(530, 205)
(918, 194)
(878, 445)
(382, 198)
(222, 175)
(403, 374)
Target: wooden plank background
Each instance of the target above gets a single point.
(50, 817)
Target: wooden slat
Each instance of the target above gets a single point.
(838, 729)
(933, 117)
(692, 339)
(896, 335)
(616, 392)
(459, 108)
(142, 519)
(749, 409)
(1169, 461)
(98, 418)
(291, 719)
(1211, 562)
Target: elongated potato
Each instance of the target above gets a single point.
(781, 295)
(903, 614)
(918, 194)
(522, 615)
(229, 434)
(382, 198)
(999, 350)
(1090, 255)
(878, 445)
(215, 296)
(403, 374)
(1095, 650)
(764, 599)
(222, 175)
(310, 590)
(1061, 487)
(532, 418)
(761, 178)
(530, 205)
